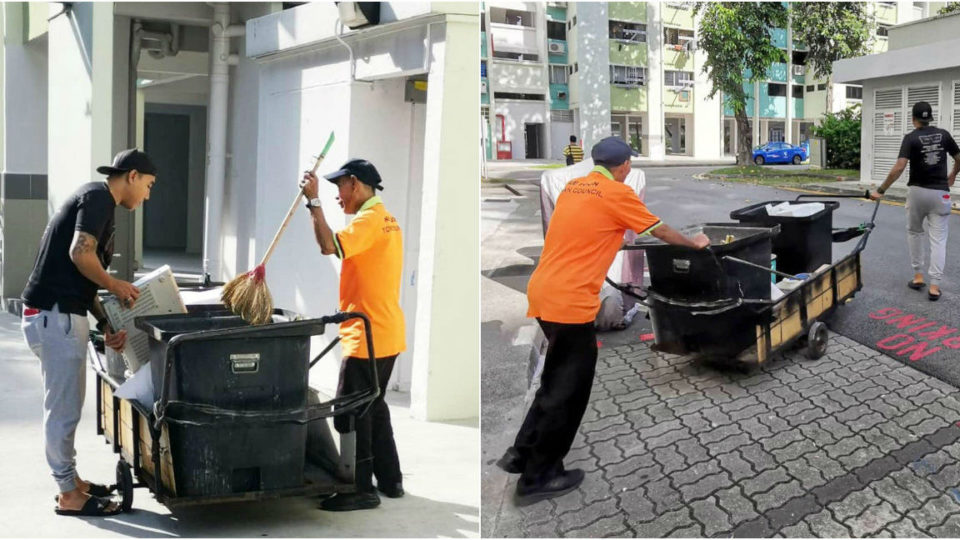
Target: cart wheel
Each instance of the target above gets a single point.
(125, 485)
(817, 340)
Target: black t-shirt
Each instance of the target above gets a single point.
(927, 149)
(55, 278)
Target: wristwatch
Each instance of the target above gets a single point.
(881, 191)
(313, 203)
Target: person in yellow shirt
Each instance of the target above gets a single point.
(573, 152)
(585, 233)
(371, 248)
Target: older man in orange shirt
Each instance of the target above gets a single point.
(586, 231)
(371, 248)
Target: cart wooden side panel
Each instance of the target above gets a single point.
(146, 454)
(106, 410)
(794, 313)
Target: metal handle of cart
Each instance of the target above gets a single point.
(310, 413)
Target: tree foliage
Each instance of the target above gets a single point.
(736, 38)
(950, 7)
(841, 131)
(832, 31)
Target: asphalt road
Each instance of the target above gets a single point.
(885, 315)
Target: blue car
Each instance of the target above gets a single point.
(779, 152)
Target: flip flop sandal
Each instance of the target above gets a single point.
(96, 490)
(933, 297)
(95, 506)
(916, 286)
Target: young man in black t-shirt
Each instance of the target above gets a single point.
(928, 201)
(75, 251)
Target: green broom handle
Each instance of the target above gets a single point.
(296, 203)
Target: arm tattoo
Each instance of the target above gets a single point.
(82, 243)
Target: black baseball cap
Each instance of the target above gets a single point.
(128, 160)
(612, 150)
(922, 111)
(362, 169)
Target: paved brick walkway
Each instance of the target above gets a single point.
(854, 444)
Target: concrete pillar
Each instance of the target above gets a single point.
(756, 114)
(655, 119)
(708, 112)
(593, 61)
(446, 360)
(23, 148)
(540, 22)
(788, 127)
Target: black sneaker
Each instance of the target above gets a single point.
(557, 486)
(511, 462)
(394, 490)
(345, 502)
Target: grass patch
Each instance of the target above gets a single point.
(550, 166)
(773, 175)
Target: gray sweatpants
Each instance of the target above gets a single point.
(60, 342)
(930, 207)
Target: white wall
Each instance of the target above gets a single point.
(25, 108)
(560, 137)
(516, 114)
(945, 78)
(593, 77)
(69, 86)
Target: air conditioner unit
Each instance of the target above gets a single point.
(799, 70)
(357, 14)
(555, 47)
(689, 44)
(483, 86)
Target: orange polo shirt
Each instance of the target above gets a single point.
(586, 231)
(371, 248)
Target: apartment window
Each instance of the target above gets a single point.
(677, 78)
(854, 92)
(514, 95)
(810, 88)
(516, 56)
(558, 75)
(628, 76)
(676, 36)
(776, 89)
(576, 67)
(799, 58)
(888, 4)
(822, 86)
(572, 23)
(561, 115)
(627, 31)
(483, 22)
(514, 17)
(556, 30)
(883, 30)
(798, 90)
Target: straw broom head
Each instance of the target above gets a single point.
(247, 296)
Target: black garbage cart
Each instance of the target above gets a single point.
(725, 311)
(231, 412)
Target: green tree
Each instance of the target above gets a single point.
(949, 7)
(736, 38)
(841, 131)
(832, 31)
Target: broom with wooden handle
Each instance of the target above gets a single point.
(247, 295)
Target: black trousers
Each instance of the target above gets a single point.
(557, 409)
(376, 448)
